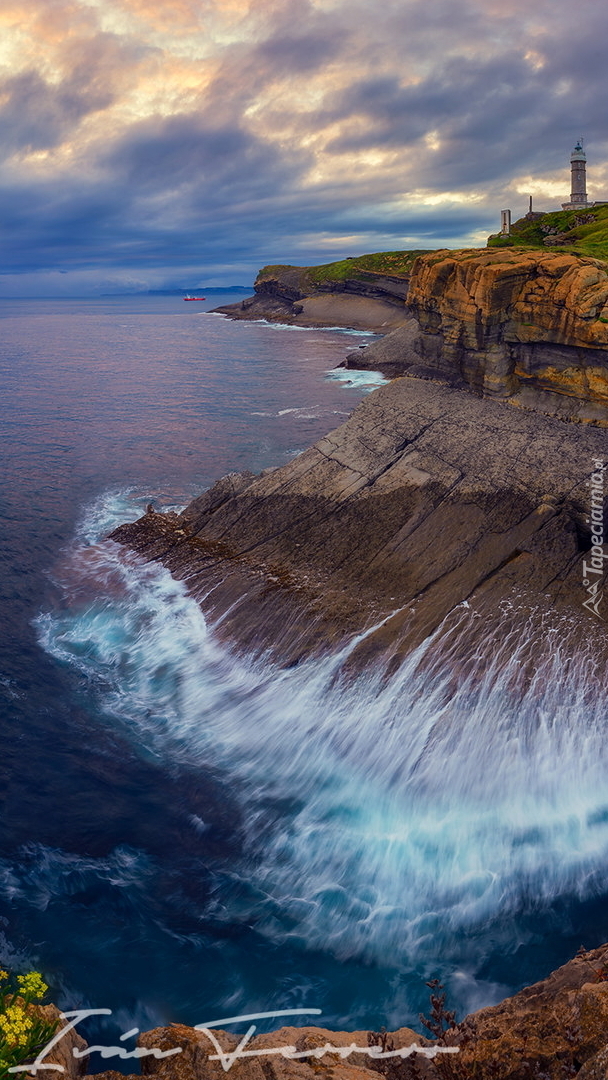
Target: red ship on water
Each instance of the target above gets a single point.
(194, 297)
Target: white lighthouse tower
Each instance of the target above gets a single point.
(578, 169)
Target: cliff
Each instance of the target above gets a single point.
(365, 293)
(526, 326)
(555, 1029)
(433, 506)
(530, 328)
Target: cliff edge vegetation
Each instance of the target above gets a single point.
(583, 232)
(358, 268)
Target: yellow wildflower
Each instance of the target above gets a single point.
(15, 1025)
(32, 985)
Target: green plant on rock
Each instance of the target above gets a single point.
(23, 1031)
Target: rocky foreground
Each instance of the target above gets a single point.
(553, 1030)
(433, 494)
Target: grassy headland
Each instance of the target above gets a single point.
(394, 263)
(362, 267)
(581, 232)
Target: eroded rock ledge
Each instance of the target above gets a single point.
(426, 497)
(527, 327)
(553, 1030)
(288, 294)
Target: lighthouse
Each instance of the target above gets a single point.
(578, 169)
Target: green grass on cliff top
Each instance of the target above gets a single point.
(395, 263)
(589, 239)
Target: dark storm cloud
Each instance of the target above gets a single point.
(490, 116)
(214, 163)
(471, 97)
(36, 116)
(309, 127)
(291, 53)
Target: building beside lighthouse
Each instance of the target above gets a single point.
(578, 185)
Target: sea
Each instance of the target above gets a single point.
(188, 833)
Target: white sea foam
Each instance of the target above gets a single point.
(359, 380)
(279, 326)
(315, 329)
(383, 818)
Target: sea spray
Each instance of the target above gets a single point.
(414, 818)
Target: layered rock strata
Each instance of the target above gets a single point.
(527, 327)
(288, 294)
(425, 498)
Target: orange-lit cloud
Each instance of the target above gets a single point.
(143, 132)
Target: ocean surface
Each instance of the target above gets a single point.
(186, 834)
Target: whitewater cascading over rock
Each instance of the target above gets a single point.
(437, 507)
(426, 497)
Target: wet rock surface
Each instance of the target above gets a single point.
(425, 498)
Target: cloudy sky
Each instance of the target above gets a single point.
(158, 143)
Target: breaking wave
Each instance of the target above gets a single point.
(411, 819)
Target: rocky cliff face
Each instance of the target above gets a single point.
(431, 504)
(430, 495)
(527, 327)
(366, 301)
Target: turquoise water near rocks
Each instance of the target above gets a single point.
(185, 833)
